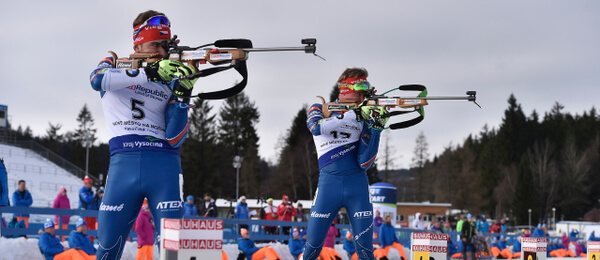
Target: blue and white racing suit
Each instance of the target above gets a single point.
(146, 129)
(346, 148)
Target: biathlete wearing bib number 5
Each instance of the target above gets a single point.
(346, 147)
(147, 124)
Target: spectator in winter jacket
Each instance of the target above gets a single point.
(270, 213)
(189, 208)
(460, 222)
(62, 202)
(97, 201)
(331, 234)
(593, 236)
(4, 201)
(504, 228)
(377, 222)
(207, 207)
(349, 246)
(388, 239)
(286, 212)
(573, 235)
(144, 227)
(437, 227)
(417, 223)
(499, 249)
(301, 216)
(496, 228)
(78, 240)
(565, 240)
(296, 246)
(252, 252)
(22, 198)
(482, 225)
(516, 249)
(86, 196)
(48, 243)
(14, 223)
(467, 235)
(241, 211)
(51, 248)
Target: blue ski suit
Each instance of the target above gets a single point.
(146, 126)
(346, 148)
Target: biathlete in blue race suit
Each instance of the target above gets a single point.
(346, 147)
(147, 124)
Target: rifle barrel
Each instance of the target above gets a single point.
(437, 98)
(276, 49)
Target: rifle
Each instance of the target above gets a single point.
(232, 53)
(414, 104)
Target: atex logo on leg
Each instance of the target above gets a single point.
(169, 205)
(363, 214)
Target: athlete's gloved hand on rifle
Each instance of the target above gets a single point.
(373, 114)
(168, 70)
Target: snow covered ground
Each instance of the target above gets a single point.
(21, 248)
(43, 179)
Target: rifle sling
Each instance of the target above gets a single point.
(240, 67)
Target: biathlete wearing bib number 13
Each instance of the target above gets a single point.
(346, 148)
(147, 125)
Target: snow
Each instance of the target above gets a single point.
(43, 179)
(21, 248)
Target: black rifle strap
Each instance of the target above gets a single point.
(240, 67)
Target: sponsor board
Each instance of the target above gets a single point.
(593, 250)
(187, 238)
(533, 248)
(428, 246)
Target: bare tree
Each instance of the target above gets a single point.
(388, 152)
(421, 156)
(545, 173)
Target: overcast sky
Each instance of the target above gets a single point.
(541, 51)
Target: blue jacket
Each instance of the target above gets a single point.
(22, 200)
(95, 205)
(593, 237)
(538, 232)
(296, 247)
(247, 246)
(387, 235)
(78, 239)
(452, 248)
(350, 247)
(241, 211)
(501, 244)
(85, 198)
(516, 246)
(483, 226)
(3, 186)
(50, 246)
(190, 209)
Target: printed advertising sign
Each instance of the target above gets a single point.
(187, 238)
(428, 246)
(533, 248)
(383, 196)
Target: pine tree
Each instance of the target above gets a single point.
(200, 154)
(237, 134)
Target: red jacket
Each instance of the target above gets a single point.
(286, 212)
